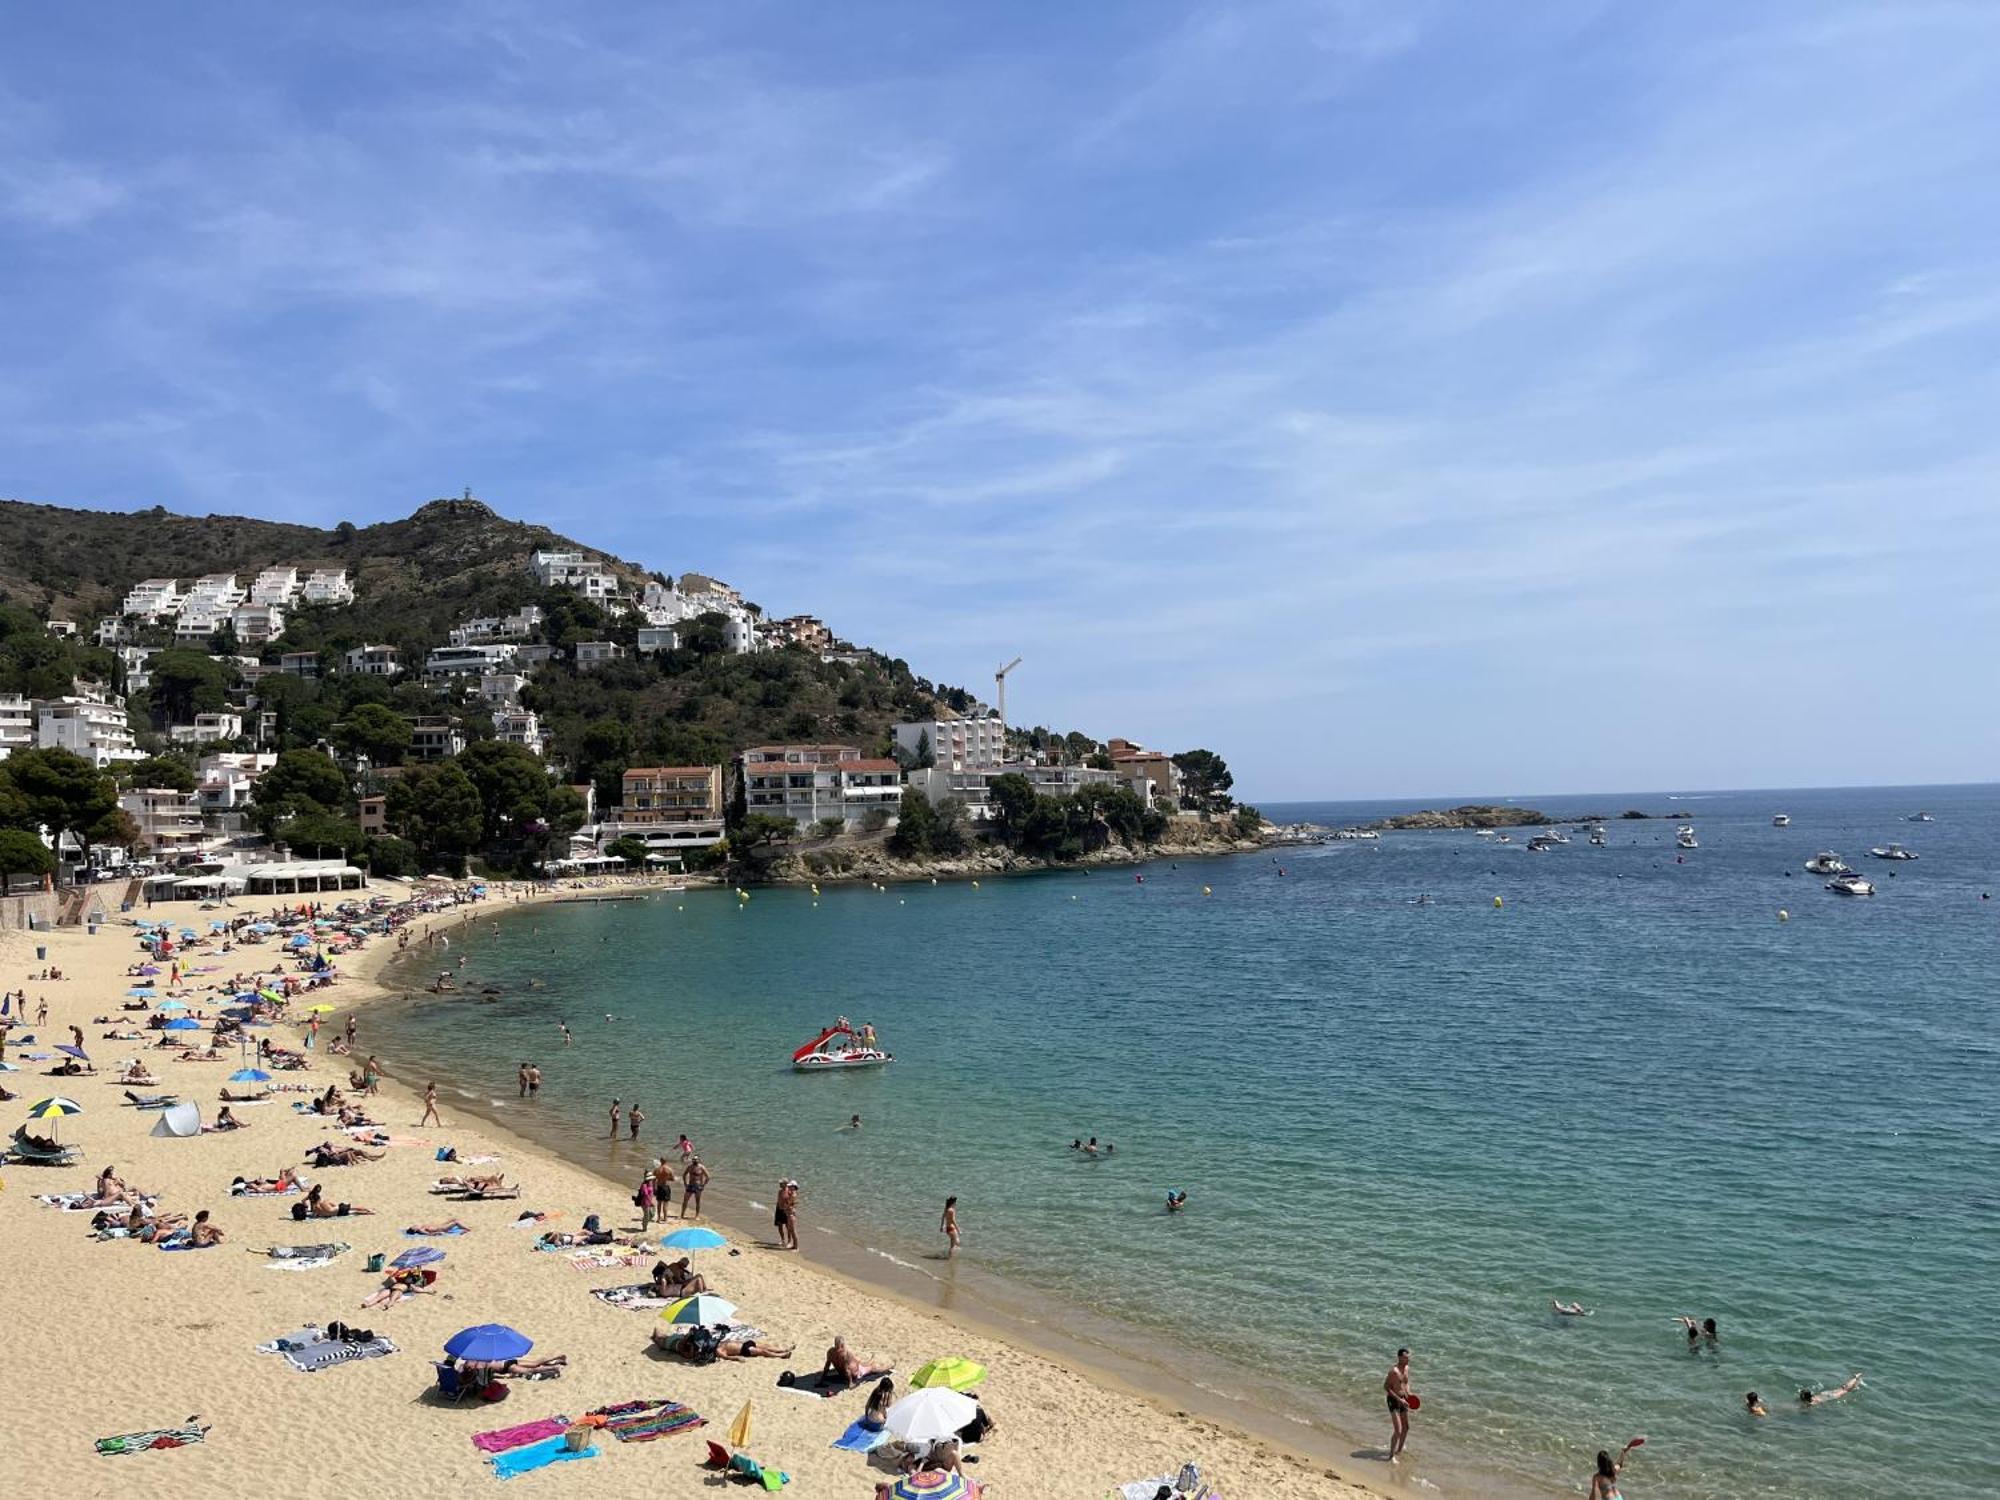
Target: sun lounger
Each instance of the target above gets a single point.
(472, 1195)
(150, 1101)
(27, 1153)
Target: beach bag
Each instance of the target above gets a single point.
(577, 1438)
(701, 1346)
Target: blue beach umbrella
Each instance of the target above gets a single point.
(488, 1341)
(182, 1023)
(141, 992)
(249, 1075)
(171, 1005)
(693, 1239)
(76, 1052)
(423, 1255)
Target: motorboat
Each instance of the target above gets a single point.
(1482, 833)
(1684, 836)
(1503, 838)
(1597, 836)
(1541, 844)
(1826, 862)
(1921, 817)
(1781, 820)
(1850, 884)
(1353, 835)
(1554, 836)
(1893, 851)
(837, 1047)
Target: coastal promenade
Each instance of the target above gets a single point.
(115, 1337)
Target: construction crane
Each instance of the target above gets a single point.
(1000, 683)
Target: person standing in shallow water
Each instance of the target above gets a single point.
(1397, 1386)
(948, 1226)
(614, 1119)
(634, 1119)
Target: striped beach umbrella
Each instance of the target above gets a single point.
(52, 1109)
(932, 1484)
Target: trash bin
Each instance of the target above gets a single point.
(92, 929)
(41, 954)
(376, 1262)
(124, 906)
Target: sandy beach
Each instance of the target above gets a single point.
(116, 1336)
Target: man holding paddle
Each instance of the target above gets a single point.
(1402, 1401)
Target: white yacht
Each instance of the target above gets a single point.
(1892, 851)
(1356, 835)
(1781, 820)
(1684, 836)
(1540, 844)
(1826, 862)
(1597, 836)
(1921, 817)
(1850, 884)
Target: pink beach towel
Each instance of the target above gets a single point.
(517, 1437)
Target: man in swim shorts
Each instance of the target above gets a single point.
(1397, 1387)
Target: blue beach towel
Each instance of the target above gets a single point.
(537, 1456)
(411, 1234)
(860, 1439)
(183, 1245)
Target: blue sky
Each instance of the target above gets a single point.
(1402, 399)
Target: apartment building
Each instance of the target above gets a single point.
(596, 653)
(327, 586)
(224, 782)
(797, 630)
(153, 600)
(299, 663)
(661, 606)
(372, 814)
(374, 661)
(275, 586)
(169, 821)
(257, 623)
(572, 570)
(115, 630)
(451, 661)
(956, 744)
(973, 785)
(517, 726)
(808, 783)
(668, 807)
(657, 638)
(87, 725)
(521, 625)
(1150, 773)
(435, 737)
(17, 724)
(208, 729)
(502, 687)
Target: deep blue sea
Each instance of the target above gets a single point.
(1628, 1083)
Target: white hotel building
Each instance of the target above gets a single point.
(955, 744)
(87, 726)
(17, 724)
(808, 783)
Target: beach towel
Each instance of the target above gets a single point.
(298, 1338)
(324, 1356)
(300, 1263)
(537, 1456)
(637, 1298)
(643, 1421)
(421, 1255)
(818, 1383)
(860, 1439)
(520, 1437)
(605, 1260)
(184, 1244)
(418, 1234)
(244, 1192)
(159, 1437)
(307, 1252)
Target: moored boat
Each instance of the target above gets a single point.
(1892, 851)
(1826, 862)
(1850, 884)
(838, 1047)
(1781, 820)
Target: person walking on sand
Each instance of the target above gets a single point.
(693, 1180)
(431, 1116)
(352, 1027)
(1397, 1387)
(646, 1200)
(948, 1226)
(614, 1119)
(635, 1119)
(787, 1215)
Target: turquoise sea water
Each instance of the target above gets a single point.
(1399, 1124)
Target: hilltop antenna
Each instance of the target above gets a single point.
(1000, 682)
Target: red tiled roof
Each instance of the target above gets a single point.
(869, 765)
(669, 770)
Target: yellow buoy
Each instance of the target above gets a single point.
(1497, 901)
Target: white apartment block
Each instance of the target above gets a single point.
(218, 589)
(449, 661)
(516, 726)
(299, 663)
(597, 653)
(955, 744)
(17, 724)
(662, 606)
(207, 729)
(257, 623)
(152, 600)
(808, 791)
(62, 627)
(327, 586)
(115, 630)
(973, 785)
(572, 570)
(521, 625)
(502, 687)
(226, 779)
(169, 821)
(275, 586)
(85, 725)
(534, 654)
(656, 638)
(374, 661)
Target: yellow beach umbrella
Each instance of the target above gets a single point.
(954, 1372)
(739, 1430)
(320, 1009)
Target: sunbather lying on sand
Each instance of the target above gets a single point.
(730, 1343)
(326, 1154)
(284, 1182)
(149, 1228)
(228, 1098)
(449, 1226)
(477, 1182)
(137, 1074)
(398, 1284)
(484, 1371)
(314, 1206)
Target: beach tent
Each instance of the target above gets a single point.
(179, 1120)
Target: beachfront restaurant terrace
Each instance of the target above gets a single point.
(292, 877)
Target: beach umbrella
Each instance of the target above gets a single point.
(7, 1067)
(488, 1341)
(54, 1109)
(76, 1052)
(954, 1372)
(423, 1255)
(249, 1075)
(931, 1415)
(932, 1484)
(171, 1005)
(271, 995)
(320, 1009)
(693, 1239)
(149, 968)
(182, 1023)
(141, 992)
(698, 1311)
(739, 1430)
